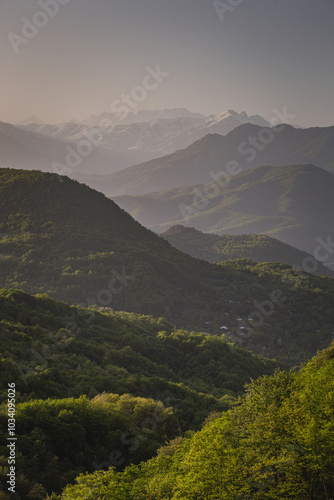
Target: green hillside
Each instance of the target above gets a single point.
(278, 443)
(65, 239)
(57, 439)
(219, 248)
(291, 203)
(52, 350)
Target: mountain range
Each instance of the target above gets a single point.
(114, 143)
(140, 157)
(166, 131)
(99, 388)
(247, 146)
(27, 149)
(143, 115)
(65, 239)
(147, 134)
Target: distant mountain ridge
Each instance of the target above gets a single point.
(291, 203)
(25, 147)
(145, 140)
(213, 154)
(30, 120)
(149, 133)
(144, 115)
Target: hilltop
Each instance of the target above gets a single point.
(219, 248)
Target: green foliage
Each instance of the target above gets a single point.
(284, 328)
(277, 443)
(62, 238)
(58, 439)
(292, 203)
(51, 349)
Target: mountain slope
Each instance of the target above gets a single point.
(53, 350)
(278, 443)
(215, 248)
(211, 155)
(292, 203)
(50, 350)
(21, 149)
(143, 115)
(72, 242)
(135, 142)
(30, 120)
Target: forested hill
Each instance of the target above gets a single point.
(51, 349)
(214, 153)
(95, 389)
(277, 444)
(257, 247)
(63, 238)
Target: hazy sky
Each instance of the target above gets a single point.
(264, 54)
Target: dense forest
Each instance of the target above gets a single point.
(51, 349)
(277, 442)
(150, 387)
(145, 382)
(130, 359)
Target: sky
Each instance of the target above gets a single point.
(86, 55)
